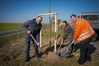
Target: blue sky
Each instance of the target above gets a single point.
(19, 11)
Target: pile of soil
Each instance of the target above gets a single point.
(51, 57)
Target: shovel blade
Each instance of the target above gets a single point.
(58, 52)
(64, 52)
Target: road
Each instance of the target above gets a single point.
(5, 33)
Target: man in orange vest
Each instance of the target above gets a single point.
(83, 33)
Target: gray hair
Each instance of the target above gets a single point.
(40, 17)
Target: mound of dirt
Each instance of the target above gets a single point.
(51, 57)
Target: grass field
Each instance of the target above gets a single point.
(10, 26)
(13, 53)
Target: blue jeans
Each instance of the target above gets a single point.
(28, 47)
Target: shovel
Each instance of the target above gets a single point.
(67, 50)
(58, 50)
(36, 42)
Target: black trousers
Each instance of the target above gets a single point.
(84, 51)
(72, 48)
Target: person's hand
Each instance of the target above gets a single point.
(28, 32)
(75, 42)
(38, 44)
(62, 41)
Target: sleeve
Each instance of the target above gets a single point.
(64, 36)
(25, 25)
(66, 31)
(77, 30)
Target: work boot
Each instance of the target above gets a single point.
(27, 59)
(37, 56)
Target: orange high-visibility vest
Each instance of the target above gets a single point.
(82, 30)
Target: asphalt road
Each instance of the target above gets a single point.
(5, 33)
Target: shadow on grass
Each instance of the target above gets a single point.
(50, 49)
(69, 56)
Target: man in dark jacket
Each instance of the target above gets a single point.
(32, 27)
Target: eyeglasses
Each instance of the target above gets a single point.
(39, 20)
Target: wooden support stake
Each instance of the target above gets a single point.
(55, 33)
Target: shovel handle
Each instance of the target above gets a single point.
(60, 45)
(33, 38)
(36, 41)
(69, 46)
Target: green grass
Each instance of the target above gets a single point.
(17, 49)
(10, 38)
(13, 26)
(10, 26)
(44, 24)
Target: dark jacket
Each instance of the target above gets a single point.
(33, 27)
(68, 32)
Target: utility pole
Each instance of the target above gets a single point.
(50, 22)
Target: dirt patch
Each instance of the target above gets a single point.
(51, 57)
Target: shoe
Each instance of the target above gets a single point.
(27, 59)
(37, 56)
